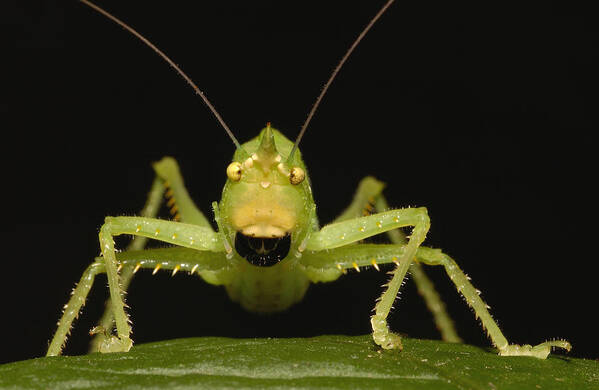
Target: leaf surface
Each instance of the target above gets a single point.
(326, 362)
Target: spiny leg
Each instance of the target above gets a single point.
(182, 209)
(73, 307)
(172, 259)
(436, 257)
(368, 199)
(186, 235)
(352, 230)
(424, 285)
(150, 210)
(190, 236)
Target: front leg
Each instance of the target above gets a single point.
(346, 232)
(189, 236)
(169, 179)
(212, 267)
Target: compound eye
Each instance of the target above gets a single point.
(234, 171)
(296, 175)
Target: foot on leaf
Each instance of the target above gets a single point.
(382, 335)
(540, 351)
(109, 343)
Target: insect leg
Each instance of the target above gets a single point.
(182, 208)
(73, 307)
(349, 231)
(436, 257)
(150, 209)
(186, 235)
(368, 199)
(211, 266)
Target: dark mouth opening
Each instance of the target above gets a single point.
(260, 251)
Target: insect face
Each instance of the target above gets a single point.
(265, 199)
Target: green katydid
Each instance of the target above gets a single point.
(269, 247)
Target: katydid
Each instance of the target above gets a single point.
(269, 246)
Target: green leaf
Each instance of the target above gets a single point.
(331, 362)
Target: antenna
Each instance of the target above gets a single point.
(330, 80)
(171, 63)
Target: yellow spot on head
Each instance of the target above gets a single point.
(283, 169)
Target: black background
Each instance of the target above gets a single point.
(482, 113)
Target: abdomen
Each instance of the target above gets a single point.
(266, 290)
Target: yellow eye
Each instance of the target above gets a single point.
(234, 171)
(296, 175)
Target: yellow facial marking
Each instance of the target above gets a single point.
(283, 169)
(263, 217)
